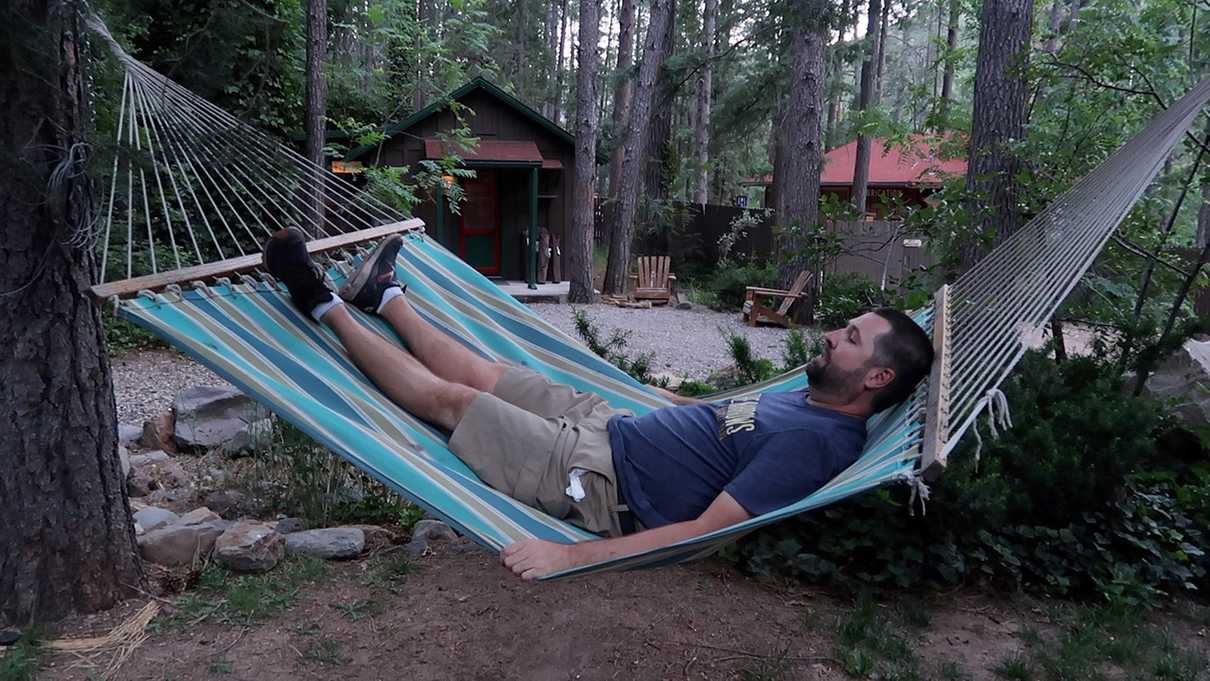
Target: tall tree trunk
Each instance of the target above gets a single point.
(799, 216)
(68, 542)
(558, 94)
(998, 122)
(951, 44)
(316, 111)
(865, 100)
(623, 88)
(425, 21)
(579, 242)
(635, 152)
(882, 28)
(1055, 21)
(701, 132)
(550, 28)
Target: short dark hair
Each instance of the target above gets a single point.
(907, 350)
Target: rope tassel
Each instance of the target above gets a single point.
(998, 418)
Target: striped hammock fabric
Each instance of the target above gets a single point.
(252, 336)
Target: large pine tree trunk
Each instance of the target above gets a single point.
(316, 110)
(68, 541)
(701, 132)
(865, 100)
(799, 215)
(951, 44)
(579, 242)
(998, 122)
(559, 69)
(635, 151)
(622, 91)
(550, 30)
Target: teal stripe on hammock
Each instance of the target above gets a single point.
(253, 337)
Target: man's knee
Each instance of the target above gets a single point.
(452, 400)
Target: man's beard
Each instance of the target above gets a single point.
(824, 379)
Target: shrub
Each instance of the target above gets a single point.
(122, 336)
(1056, 506)
(728, 282)
(612, 348)
(845, 296)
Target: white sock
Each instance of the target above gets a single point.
(323, 308)
(388, 294)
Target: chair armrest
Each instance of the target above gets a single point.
(774, 292)
(672, 277)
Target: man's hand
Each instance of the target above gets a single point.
(533, 558)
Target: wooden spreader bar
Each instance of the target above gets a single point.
(936, 418)
(215, 270)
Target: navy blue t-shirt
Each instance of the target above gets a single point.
(766, 451)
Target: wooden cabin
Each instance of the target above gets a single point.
(523, 163)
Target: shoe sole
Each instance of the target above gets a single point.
(264, 249)
(353, 287)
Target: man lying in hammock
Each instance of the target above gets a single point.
(645, 482)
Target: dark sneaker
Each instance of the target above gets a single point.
(286, 258)
(374, 275)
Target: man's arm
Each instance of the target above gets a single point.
(677, 399)
(533, 558)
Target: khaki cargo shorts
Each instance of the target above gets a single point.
(527, 435)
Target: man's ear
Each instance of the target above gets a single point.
(879, 378)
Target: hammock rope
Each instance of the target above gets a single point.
(218, 187)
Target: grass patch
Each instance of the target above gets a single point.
(389, 572)
(358, 609)
(870, 645)
(221, 667)
(22, 660)
(325, 651)
(227, 598)
(1098, 643)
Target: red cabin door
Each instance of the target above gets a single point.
(479, 238)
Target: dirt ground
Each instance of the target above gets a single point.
(459, 615)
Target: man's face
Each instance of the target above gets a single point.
(844, 367)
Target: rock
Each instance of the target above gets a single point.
(138, 529)
(153, 518)
(208, 417)
(255, 437)
(332, 542)
(9, 637)
(152, 456)
(377, 537)
(290, 525)
(250, 546)
(141, 482)
(124, 461)
(673, 381)
(433, 530)
(169, 497)
(1184, 379)
(684, 305)
(129, 433)
(415, 548)
(225, 502)
(179, 544)
(157, 433)
(162, 475)
(198, 516)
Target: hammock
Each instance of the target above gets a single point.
(187, 173)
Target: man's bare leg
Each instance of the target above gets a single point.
(404, 379)
(444, 356)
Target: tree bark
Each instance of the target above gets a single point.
(998, 122)
(550, 26)
(705, 83)
(579, 241)
(558, 94)
(951, 44)
(68, 542)
(634, 152)
(316, 112)
(865, 100)
(623, 88)
(799, 215)
(1056, 21)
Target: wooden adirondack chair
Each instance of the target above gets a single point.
(654, 281)
(755, 311)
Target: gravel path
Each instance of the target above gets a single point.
(685, 342)
(145, 382)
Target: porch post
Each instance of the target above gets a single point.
(440, 226)
(531, 258)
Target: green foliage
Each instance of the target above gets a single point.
(295, 475)
(22, 660)
(845, 296)
(325, 651)
(122, 336)
(752, 369)
(869, 645)
(1059, 505)
(728, 282)
(613, 348)
(693, 388)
